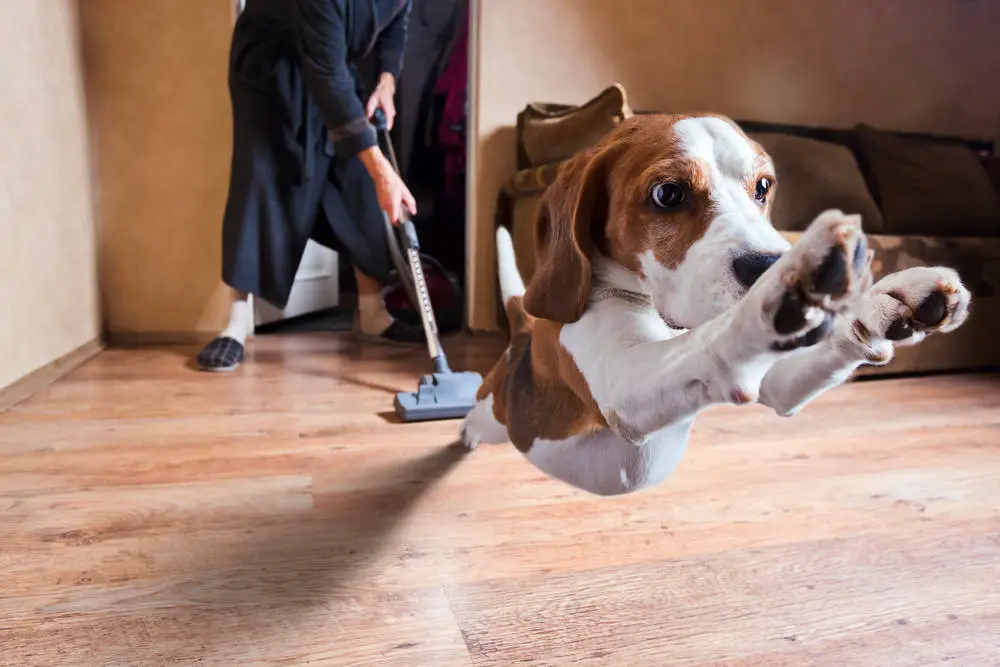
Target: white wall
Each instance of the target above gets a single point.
(48, 280)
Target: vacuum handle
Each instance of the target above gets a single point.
(382, 126)
(410, 239)
(381, 123)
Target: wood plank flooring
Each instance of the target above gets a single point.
(154, 515)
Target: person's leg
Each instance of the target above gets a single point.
(242, 227)
(373, 321)
(225, 351)
(240, 318)
(277, 180)
(353, 224)
(373, 318)
(250, 216)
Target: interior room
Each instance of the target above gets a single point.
(341, 497)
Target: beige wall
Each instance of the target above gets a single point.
(924, 65)
(161, 131)
(48, 284)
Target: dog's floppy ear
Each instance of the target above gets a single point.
(572, 213)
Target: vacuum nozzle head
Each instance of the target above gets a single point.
(439, 396)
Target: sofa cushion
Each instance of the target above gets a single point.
(925, 187)
(814, 176)
(552, 133)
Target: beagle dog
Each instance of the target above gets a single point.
(663, 289)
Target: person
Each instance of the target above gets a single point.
(306, 163)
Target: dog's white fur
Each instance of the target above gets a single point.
(656, 379)
(739, 223)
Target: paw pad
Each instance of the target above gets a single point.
(809, 338)
(833, 276)
(906, 306)
(933, 310)
(929, 314)
(829, 265)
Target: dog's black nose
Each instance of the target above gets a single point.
(751, 266)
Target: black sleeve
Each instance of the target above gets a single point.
(322, 41)
(391, 42)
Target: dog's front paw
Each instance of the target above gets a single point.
(907, 306)
(814, 281)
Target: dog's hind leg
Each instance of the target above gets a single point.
(901, 309)
(480, 426)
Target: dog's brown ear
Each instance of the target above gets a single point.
(572, 213)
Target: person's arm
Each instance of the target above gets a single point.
(391, 43)
(322, 39)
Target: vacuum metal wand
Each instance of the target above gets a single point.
(412, 247)
(423, 296)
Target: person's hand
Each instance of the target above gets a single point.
(393, 195)
(382, 98)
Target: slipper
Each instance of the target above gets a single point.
(397, 333)
(221, 355)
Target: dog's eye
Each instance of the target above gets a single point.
(763, 188)
(667, 195)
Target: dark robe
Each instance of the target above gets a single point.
(298, 124)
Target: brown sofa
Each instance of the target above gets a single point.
(924, 200)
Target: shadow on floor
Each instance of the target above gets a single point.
(288, 569)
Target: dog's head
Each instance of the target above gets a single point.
(683, 202)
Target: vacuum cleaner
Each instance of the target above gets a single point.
(442, 394)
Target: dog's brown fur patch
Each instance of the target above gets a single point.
(538, 390)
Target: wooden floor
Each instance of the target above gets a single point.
(154, 515)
